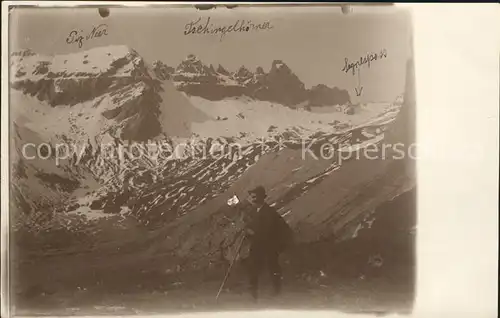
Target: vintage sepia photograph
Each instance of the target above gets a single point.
(174, 159)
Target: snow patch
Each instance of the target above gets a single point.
(89, 213)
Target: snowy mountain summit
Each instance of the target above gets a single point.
(89, 73)
(108, 91)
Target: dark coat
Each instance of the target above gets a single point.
(271, 232)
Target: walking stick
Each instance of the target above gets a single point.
(230, 266)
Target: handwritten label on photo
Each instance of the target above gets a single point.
(368, 59)
(200, 27)
(78, 36)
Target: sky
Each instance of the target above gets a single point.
(313, 42)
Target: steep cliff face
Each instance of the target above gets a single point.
(280, 85)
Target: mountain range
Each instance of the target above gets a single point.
(279, 85)
(97, 200)
(111, 95)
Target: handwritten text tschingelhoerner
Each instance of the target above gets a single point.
(239, 26)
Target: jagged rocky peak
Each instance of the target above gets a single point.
(279, 65)
(259, 76)
(161, 70)
(243, 73)
(193, 65)
(191, 58)
(192, 69)
(279, 85)
(259, 70)
(281, 72)
(222, 70)
(189, 64)
(158, 63)
(195, 78)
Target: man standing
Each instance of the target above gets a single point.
(269, 235)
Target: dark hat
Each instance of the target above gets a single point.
(259, 191)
